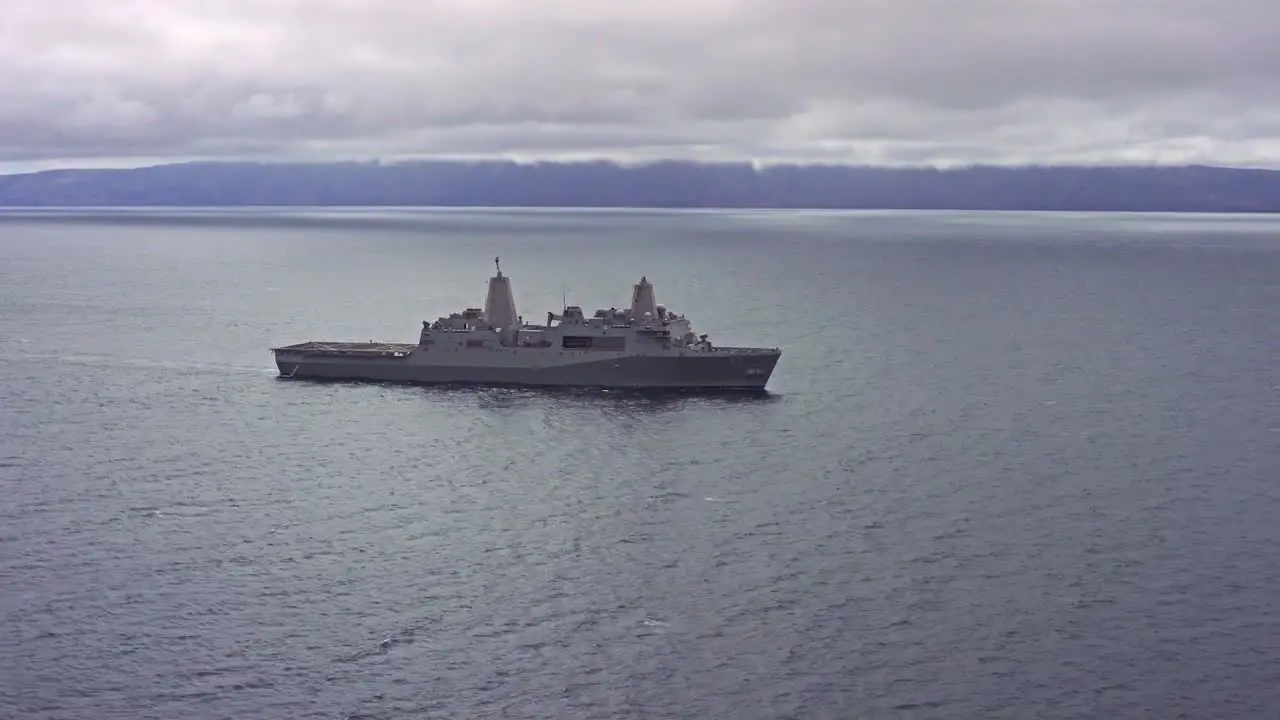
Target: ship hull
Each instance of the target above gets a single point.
(735, 369)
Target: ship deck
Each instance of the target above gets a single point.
(375, 349)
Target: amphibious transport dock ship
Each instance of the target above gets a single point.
(644, 346)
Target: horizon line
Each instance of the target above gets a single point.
(756, 164)
(17, 210)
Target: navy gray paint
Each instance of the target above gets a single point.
(724, 368)
(494, 346)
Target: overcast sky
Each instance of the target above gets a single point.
(88, 82)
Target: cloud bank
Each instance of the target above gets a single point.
(845, 81)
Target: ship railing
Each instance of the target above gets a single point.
(742, 350)
(347, 348)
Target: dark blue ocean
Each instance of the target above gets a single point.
(1010, 466)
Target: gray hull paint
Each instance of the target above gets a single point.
(727, 371)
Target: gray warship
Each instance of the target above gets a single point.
(645, 346)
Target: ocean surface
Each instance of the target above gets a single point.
(1010, 465)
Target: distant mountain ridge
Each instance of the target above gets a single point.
(669, 184)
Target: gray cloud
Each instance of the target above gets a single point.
(939, 81)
